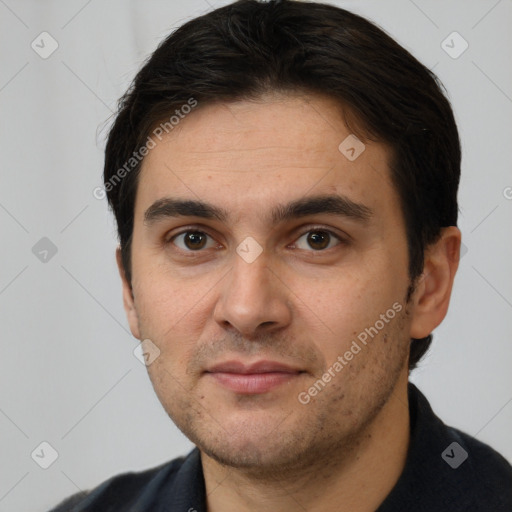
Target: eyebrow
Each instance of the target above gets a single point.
(338, 205)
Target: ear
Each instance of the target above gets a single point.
(433, 289)
(128, 300)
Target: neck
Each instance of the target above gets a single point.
(357, 480)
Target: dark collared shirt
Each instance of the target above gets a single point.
(445, 471)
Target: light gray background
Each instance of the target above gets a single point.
(67, 369)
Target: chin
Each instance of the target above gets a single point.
(256, 457)
(256, 446)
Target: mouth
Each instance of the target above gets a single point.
(257, 378)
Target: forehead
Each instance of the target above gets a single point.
(273, 150)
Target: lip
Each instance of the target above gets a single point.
(254, 368)
(256, 378)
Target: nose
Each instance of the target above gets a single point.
(253, 300)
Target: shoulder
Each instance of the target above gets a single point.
(121, 490)
(486, 474)
(448, 469)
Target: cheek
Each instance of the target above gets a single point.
(349, 306)
(166, 299)
(171, 316)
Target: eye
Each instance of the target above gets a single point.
(318, 240)
(192, 241)
(315, 239)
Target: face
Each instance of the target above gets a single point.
(270, 270)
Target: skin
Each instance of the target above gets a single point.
(296, 304)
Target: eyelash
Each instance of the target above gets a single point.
(189, 252)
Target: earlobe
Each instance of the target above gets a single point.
(432, 295)
(128, 299)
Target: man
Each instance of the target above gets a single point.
(284, 179)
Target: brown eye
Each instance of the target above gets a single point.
(195, 240)
(318, 240)
(191, 240)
